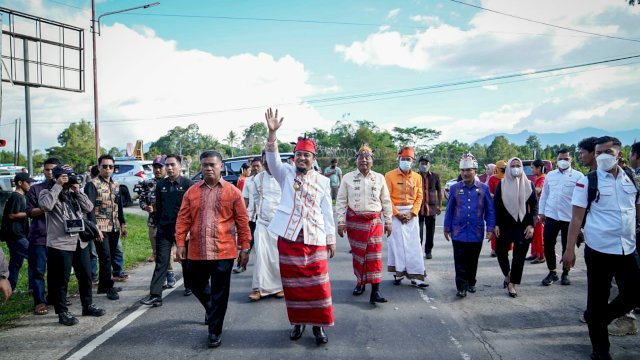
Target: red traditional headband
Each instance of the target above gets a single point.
(305, 144)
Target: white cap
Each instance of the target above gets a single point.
(468, 161)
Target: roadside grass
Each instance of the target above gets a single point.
(136, 249)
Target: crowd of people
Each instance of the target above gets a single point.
(283, 213)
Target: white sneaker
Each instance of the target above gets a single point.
(624, 325)
(419, 283)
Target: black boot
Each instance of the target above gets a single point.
(296, 332)
(321, 337)
(376, 296)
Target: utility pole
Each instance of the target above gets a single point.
(27, 105)
(96, 123)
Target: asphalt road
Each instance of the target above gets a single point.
(415, 324)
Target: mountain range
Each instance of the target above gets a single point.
(572, 137)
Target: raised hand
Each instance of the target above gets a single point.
(273, 124)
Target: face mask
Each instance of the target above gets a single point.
(606, 162)
(424, 168)
(405, 165)
(564, 164)
(516, 172)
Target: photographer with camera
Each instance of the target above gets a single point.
(64, 205)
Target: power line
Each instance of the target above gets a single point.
(319, 22)
(384, 95)
(66, 4)
(544, 23)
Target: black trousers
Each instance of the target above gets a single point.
(165, 239)
(252, 227)
(59, 264)
(551, 229)
(427, 223)
(209, 280)
(512, 235)
(105, 250)
(601, 269)
(465, 257)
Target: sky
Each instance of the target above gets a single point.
(220, 64)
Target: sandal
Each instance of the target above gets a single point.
(41, 309)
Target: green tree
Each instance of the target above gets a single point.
(77, 145)
(231, 139)
(414, 136)
(185, 142)
(115, 152)
(534, 146)
(501, 149)
(254, 138)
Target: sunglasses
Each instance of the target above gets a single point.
(107, 166)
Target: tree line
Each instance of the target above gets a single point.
(76, 146)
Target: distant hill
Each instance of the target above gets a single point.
(573, 137)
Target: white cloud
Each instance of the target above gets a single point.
(393, 13)
(597, 111)
(426, 20)
(488, 34)
(503, 119)
(490, 87)
(144, 78)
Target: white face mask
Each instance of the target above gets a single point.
(606, 162)
(425, 168)
(516, 171)
(564, 164)
(405, 165)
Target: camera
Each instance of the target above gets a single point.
(73, 226)
(75, 178)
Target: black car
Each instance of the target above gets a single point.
(233, 167)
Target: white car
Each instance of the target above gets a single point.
(128, 173)
(449, 184)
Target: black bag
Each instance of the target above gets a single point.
(90, 232)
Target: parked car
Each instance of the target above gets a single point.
(232, 167)
(128, 172)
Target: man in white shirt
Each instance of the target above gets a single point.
(610, 237)
(247, 192)
(264, 200)
(362, 202)
(555, 212)
(306, 234)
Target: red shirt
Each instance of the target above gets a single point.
(493, 184)
(213, 216)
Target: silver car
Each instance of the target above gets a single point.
(128, 173)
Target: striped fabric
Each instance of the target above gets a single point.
(305, 281)
(365, 237)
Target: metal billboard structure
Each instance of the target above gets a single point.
(40, 53)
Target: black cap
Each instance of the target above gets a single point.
(423, 158)
(23, 177)
(334, 161)
(60, 170)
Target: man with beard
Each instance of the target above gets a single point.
(306, 234)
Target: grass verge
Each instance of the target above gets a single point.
(136, 250)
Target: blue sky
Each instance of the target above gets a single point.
(152, 65)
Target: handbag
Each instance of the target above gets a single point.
(90, 231)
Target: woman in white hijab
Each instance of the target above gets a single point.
(516, 206)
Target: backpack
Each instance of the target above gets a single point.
(593, 194)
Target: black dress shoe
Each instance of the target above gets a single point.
(358, 290)
(461, 293)
(153, 300)
(321, 337)
(376, 297)
(214, 341)
(472, 289)
(296, 332)
(188, 292)
(93, 310)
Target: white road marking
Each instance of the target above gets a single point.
(425, 297)
(109, 333)
(455, 342)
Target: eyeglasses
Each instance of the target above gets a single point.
(107, 166)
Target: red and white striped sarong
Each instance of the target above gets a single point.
(305, 280)
(365, 237)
